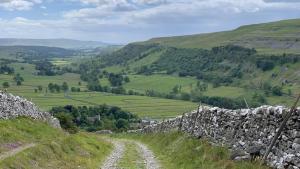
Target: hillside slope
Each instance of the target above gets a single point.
(275, 37)
(49, 148)
(257, 62)
(62, 43)
(33, 52)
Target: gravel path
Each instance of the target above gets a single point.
(148, 156)
(112, 161)
(15, 151)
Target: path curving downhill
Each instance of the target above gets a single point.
(112, 161)
(146, 155)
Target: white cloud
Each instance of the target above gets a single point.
(12, 5)
(132, 20)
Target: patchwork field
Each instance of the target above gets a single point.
(141, 105)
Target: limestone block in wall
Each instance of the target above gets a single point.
(14, 106)
(247, 130)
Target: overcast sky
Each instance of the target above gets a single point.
(122, 21)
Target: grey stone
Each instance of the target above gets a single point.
(247, 130)
(14, 106)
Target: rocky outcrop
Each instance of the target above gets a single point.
(246, 132)
(14, 106)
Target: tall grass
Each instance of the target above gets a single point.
(54, 148)
(179, 151)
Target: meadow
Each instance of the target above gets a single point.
(141, 105)
(145, 107)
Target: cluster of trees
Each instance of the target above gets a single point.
(274, 90)
(94, 118)
(5, 85)
(91, 74)
(4, 69)
(38, 89)
(18, 79)
(129, 52)
(46, 68)
(53, 87)
(221, 65)
(117, 79)
(269, 62)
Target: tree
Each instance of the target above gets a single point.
(115, 79)
(66, 122)
(126, 79)
(185, 96)
(18, 79)
(40, 88)
(65, 87)
(122, 124)
(5, 85)
(73, 89)
(289, 92)
(277, 91)
(176, 89)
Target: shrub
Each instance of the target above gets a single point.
(66, 122)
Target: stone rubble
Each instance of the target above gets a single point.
(247, 132)
(14, 106)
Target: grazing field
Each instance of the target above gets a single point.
(160, 83)
(140, 105)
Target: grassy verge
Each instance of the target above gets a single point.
(178, 151)
(54, 148)
(132, 158)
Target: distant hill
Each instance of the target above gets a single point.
(34, 52)
(61, 43)
(274, 37)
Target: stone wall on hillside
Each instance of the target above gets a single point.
(247, 132)
(14, 106)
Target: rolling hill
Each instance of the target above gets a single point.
(36, 52)
(255, 59)
(61, 43)
(274, 37)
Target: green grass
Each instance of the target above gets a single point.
(141, 105)
(60, 62)
(54, 148)
(280, 33)
(225, 91)
(151, 58)
(132, 158)
(179, 151)
(160, 83)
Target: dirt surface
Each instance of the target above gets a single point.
(15, 151)
(148, 158)
(112, 161)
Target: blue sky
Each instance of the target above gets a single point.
(123, 21)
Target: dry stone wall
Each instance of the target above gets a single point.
(247, 132)
(14, 106)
